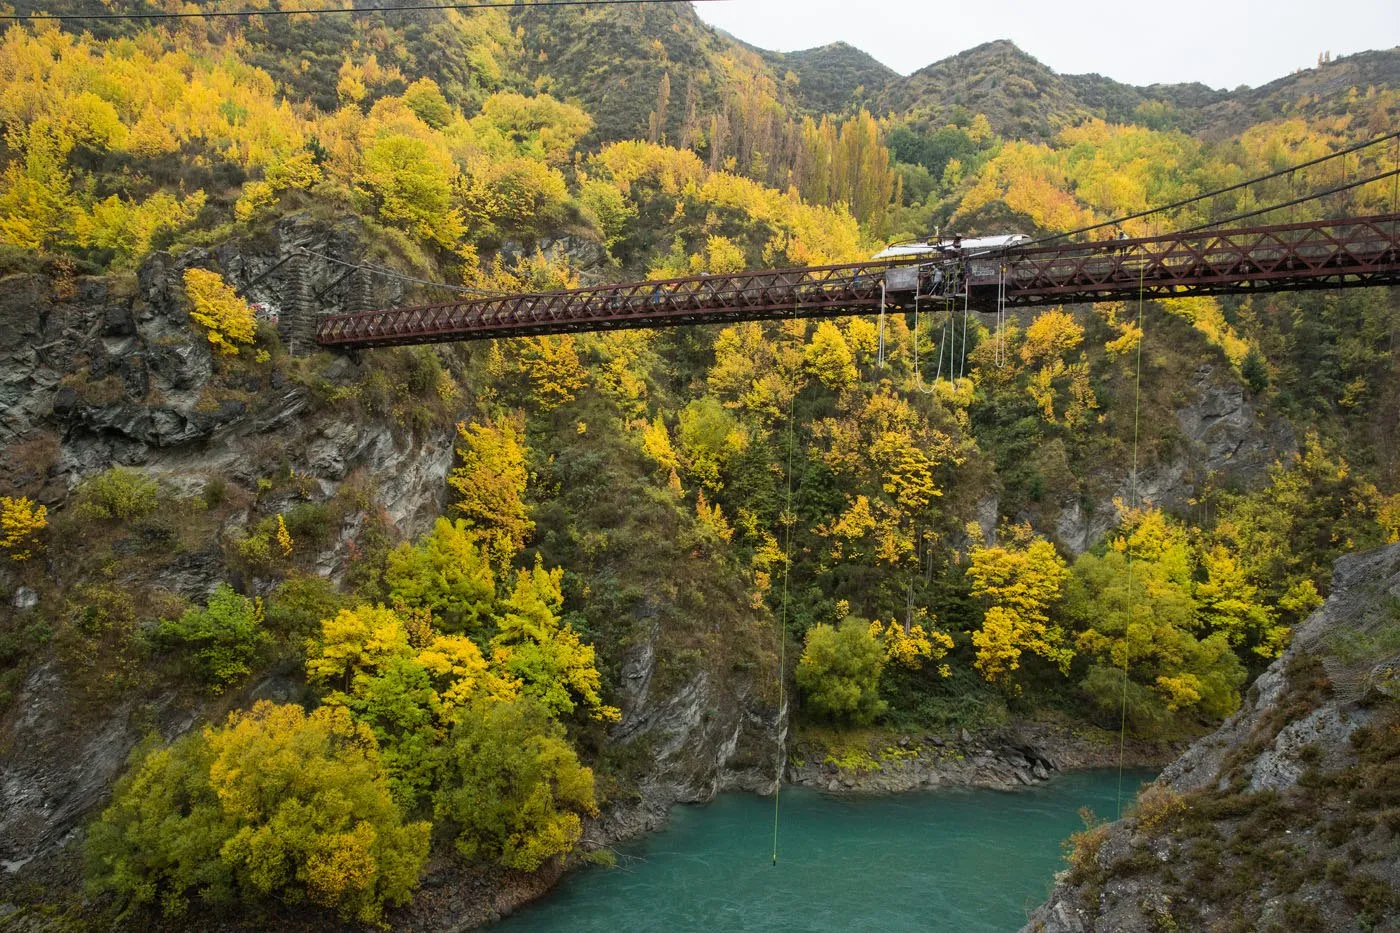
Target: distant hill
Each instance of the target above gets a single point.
(833, 78)
(1313, 92)
(612, 59)
(1022, 97)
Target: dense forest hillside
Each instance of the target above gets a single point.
(295, 637)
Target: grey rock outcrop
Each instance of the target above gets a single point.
(1258, 758)
(1225, 438)
(110, 372)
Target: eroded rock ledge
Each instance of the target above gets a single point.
(1019, 755)
(1288, 816)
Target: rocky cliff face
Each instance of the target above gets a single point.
(97, 372)
(1224, 437)
(1285, 817)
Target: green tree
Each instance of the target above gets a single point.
(403, 680)
(708, 436)
(424, 98)
(839, 671)
(1137, 612)
(514, 789)
(533, 645)
(447, 573)
(408, 183)
(1255, 371)
(118, 493)
(221, 639)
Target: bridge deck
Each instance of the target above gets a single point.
(1347, 253)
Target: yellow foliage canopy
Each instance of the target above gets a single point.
(218, 308)
(21, 520)
(1020, 583)
(490, 481)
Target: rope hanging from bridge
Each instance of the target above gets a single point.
(999, 346)
(967, 293)
(944, 338)
(788, 519)
(918, 369)
(882, 325)
(1128, 551)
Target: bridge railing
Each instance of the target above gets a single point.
(1294, 252)
(1312, 254)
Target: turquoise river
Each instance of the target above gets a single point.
(964, 861)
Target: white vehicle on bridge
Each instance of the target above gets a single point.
(955, 246)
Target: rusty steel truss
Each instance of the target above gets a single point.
(1348, 253)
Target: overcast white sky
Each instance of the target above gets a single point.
(1224, 43)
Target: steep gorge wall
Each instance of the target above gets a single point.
(104, 371)
(1284, 817)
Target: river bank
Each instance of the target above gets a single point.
(1018, 755)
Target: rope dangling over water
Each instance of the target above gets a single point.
(1128, 551)
(788, 520)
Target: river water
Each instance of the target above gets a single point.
(962, 861)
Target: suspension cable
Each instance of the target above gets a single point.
(391, 274)
(464, 7)
(1218, 191)
(1309, 197)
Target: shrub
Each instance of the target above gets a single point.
(1082, 850)
(1157, 807)
(839, 672)
(299, 604)
(21, 520)
(220, 638)
(514, 787)
(119, 493)
(228, 319)
(446, 572)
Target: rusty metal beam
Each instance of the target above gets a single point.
(1347, 253)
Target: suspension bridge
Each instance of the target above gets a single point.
(1208, 259)
(1347, 253)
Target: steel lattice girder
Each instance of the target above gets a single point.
(1352, 252)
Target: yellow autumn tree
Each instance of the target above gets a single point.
(403, 680)
(829, 358)
(1049, 340)
(284, 537)
(490, 482)
(1227, 602)
(552, 366)
(913, 645)
(711, 518)
(535, 646)
(1019, 584)
(275, 806)
(21, 520)
(227, 318)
